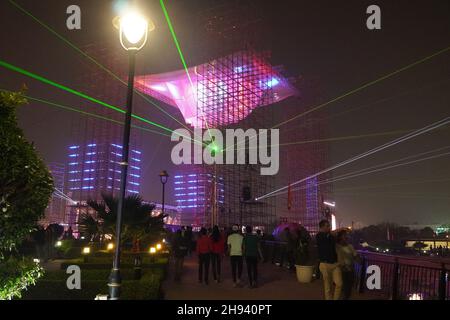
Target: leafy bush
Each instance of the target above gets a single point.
(93, 282)
(25, 183)
(106, 262)
(16, 275)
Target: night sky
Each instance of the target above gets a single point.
(315, 39)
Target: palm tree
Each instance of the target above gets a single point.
(89, 227)
(137, 222)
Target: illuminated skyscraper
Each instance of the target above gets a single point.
(94, 169)
(194, 194)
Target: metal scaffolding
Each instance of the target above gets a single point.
(236, 80)
(94, 153)
(303, 156)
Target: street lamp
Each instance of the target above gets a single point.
(133, 29)
(163, 176)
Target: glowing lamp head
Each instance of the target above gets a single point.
(152, 250)
(133, 28)
(110, 246)
(58, 244)
(86, 250)
(158, 246)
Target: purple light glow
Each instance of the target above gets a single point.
(194, 100)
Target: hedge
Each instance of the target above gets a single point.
(53, 286)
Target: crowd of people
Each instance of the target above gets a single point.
(212, 245)
(335, 255)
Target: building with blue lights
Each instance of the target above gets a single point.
(194, 195)
(94, 168)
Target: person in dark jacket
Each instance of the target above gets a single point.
(252, 251)
(204, 255)
(217, 251)
(180, 248)
(329, 267)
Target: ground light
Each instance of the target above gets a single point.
(58, 244)
(110, 246)
(85, 252)
(152, 252)
(158, 246)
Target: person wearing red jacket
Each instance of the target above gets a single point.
(217, 251)
(204, 252)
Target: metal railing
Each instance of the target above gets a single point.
(402, 277)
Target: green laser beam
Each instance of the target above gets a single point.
(391, 195)
(409, 182)
(180, 53)
(82, 95)
(72, 109)
(57, 85)
(363, 106)
(73, 46)
(342, 138)
(175, 39)
(364, 86)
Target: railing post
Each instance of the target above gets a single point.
(362, 275)
(395, 280)
(272, 253)
(443, 283)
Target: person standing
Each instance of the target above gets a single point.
(252, 249)
(203, 252)
(189, 237)
(234, 243)
(346, 256)
(179, 252)
(328, 264)
(217, 251)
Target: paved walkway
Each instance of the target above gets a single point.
(274, 283)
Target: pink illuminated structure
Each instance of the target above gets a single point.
(215, 94)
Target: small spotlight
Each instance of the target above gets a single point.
(86, 250)
(158, 246)
(58, 244)
(152, 250)
(110, 246)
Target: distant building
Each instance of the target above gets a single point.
(94, 169)
(173, 214)
(429, 243)
(416, 226)
(55, 212)
(192, 196)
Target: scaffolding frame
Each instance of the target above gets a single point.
(231, 89)
(105, 135)
(304, 159)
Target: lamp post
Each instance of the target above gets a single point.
(163, 176)
(133, 29)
